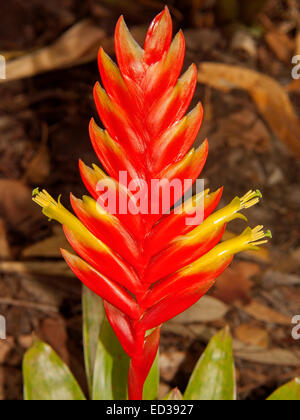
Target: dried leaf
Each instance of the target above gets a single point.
(276, 278)
(46, 268)
(53, 332)
(38, 169)
(275, 356)
(282, 46)
(17, 208)
(294, 86)
(208, 309)
(169, 363)
(270, 97)
(244, 129)
(297, 52)
(265, 314)
(78, 45)
(48, 248)
(6, 348)
(291, 294)
(251, 334)
(5, 252)
(235, 284)
(244, 44)
(72, 46)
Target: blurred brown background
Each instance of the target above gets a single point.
(252, 122)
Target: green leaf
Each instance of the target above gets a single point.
(174, 395)
(47, 378)
(93, 315)
(111, 367)
(214, 376)
(288, 392)
(152, 382)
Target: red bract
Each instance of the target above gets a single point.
(147, 268)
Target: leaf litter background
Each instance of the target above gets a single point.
(252, 120)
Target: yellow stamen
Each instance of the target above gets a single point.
(55, 210)
(250, 239)
(220, 217)
(250, 199)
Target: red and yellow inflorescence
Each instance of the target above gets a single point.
(147, 268)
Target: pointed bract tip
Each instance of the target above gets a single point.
(121, 20)
(92, 125)
(65, 254)
(250, 199)
(121, 24)
(167, 12)
(205, 145)
(73, 198)
(97, 86)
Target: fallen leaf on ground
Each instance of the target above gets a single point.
(17, 209)
(270, 97)
(5, 252)
(78, 45)
(208, 309)
(6, 347)
(25, 340)
(297, 51)
(252, 334)
(291, 294)
(294, 86)
(47, 268)
(70, 47)
(263, 313)
(179, 329)
(48, 248)
(281, 45)
(42, 292)
(169, 363)
(53, 331)
(10, 383)
(244, 44)
(290, 263)
(235, 284)
(275, 356)
(38, 169)
(18, 303)
(244, 129)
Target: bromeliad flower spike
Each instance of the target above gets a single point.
(148, 268)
